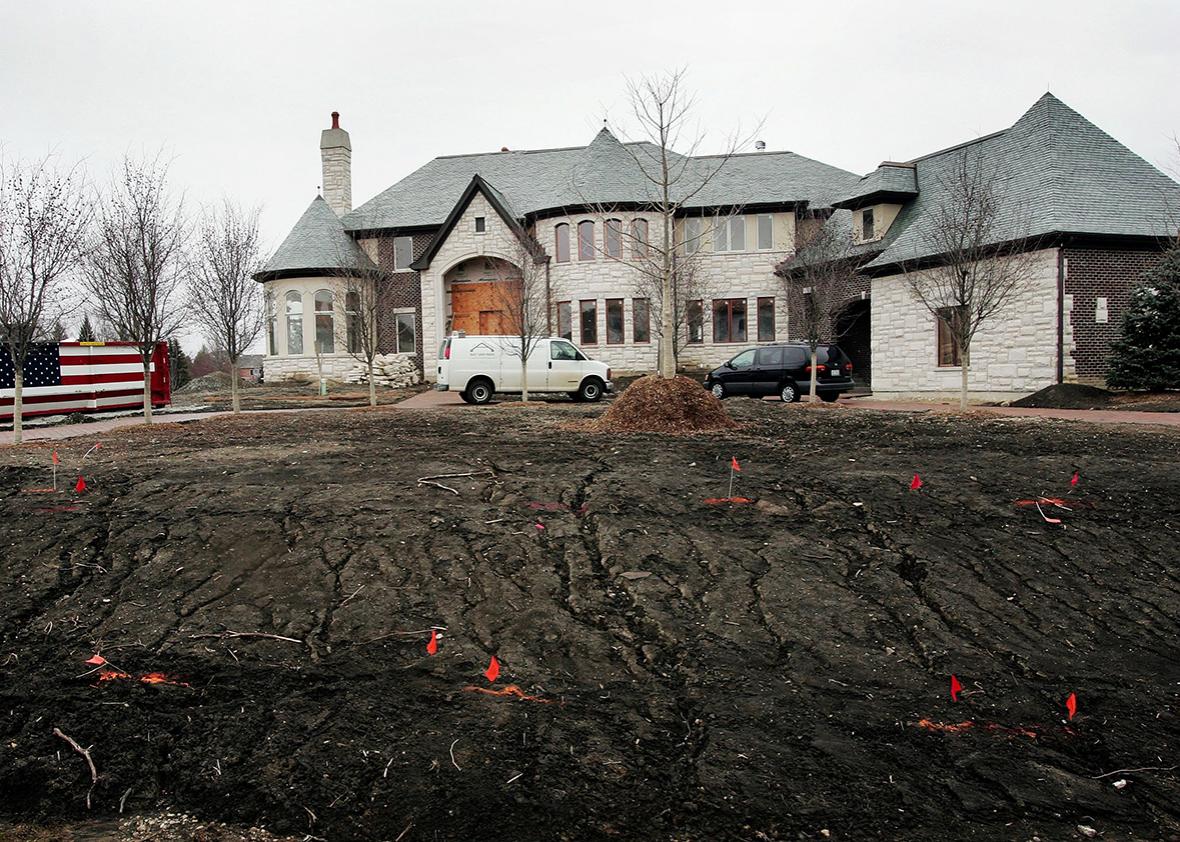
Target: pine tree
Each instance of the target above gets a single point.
(179, 364)
(86, 332)
(1147, 353)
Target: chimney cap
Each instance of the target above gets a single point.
(503, 148)
(335, 119)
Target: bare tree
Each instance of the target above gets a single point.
(689, 290)
(817, 279)
(225, 299)
(369, 297)
(44, 216)
(662, 110)
(133, 271)
(981, 262)
(522, 293)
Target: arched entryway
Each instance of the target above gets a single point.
(853, 336)
(483, 295)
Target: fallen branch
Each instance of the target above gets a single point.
(438, 485)
(85, 752)
(223, 635)
(123, 800)
(465, 474)
(1140, 769)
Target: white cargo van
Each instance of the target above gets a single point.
(479, 366)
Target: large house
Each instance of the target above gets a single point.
(441, 236)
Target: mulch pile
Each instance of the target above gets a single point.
(657, 405)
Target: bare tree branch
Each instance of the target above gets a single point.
(44, 217)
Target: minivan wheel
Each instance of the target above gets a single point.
(829, 397)
(480, 391)
(718, 391)
(789, 392)
(591, 390)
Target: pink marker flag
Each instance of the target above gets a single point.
(1073, 481)
(956, 688)
(432, 645)
(915, 483)
(96, 661)
(55, 460)
(1071, 705)
(733, 463)
(493, 670)
(80, 485)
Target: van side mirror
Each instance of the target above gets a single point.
(729, 363)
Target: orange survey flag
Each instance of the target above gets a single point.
(733, 463)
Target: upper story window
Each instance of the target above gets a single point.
(561, 242)
(585, 240)
(403, 253)
(639, 237)
(866, 224)
(729, 234)
(612, 236)
(692, 235)
(325, 323)
(480, 224)
(294, 323)
(765, 231)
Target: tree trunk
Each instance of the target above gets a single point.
(524, 379)
(235, 396)
(17, 404)
(814, 377)
(372, 386)
(965, 359)
(147, 390)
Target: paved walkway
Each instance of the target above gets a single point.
(1094, 416)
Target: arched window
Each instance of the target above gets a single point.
(639, 237)
(585, 240)
(352, 309)
(294, 323)
(325, 323)
(561, 236)
(612, 237)
(272, 319)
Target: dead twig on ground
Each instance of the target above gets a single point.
(225, 634)
(351, 595)
(123, 800)
(413, 633)
(409, 827)
(1140, 769)
(451, 750)
(85, 752)
(438, 485)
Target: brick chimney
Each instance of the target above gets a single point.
(336, 157)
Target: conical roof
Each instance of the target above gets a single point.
(317, 244)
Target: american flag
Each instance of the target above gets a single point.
(80, 377)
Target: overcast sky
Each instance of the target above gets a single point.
(237, 92)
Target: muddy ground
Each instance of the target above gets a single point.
(288, 394)
(697, 672)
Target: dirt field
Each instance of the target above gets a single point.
(765, 671)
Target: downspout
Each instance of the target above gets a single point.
(548, 302)
(1060, 314)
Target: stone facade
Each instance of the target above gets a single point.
(280, 363)
(1098, 282)
(336, 163)
(1013, 354)
(747, 274)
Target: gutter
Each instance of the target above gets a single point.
(1060, 314)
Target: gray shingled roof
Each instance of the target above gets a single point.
(603, 172)
(318, 241)
(1063, 175)
(889, 178)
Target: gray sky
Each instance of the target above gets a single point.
(238, 92)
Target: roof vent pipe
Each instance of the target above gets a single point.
(760, 146)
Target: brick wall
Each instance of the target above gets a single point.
(406, 293)
(1090, 274)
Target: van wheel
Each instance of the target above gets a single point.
(466, 398)
(718, 391)
(480, 391)
(576, 397)
(829, 397)
(591, 390)
(789, 392)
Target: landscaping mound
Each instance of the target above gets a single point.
(665, 405)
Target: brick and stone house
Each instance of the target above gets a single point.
(440, 234)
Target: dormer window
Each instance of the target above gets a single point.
(866, 224)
